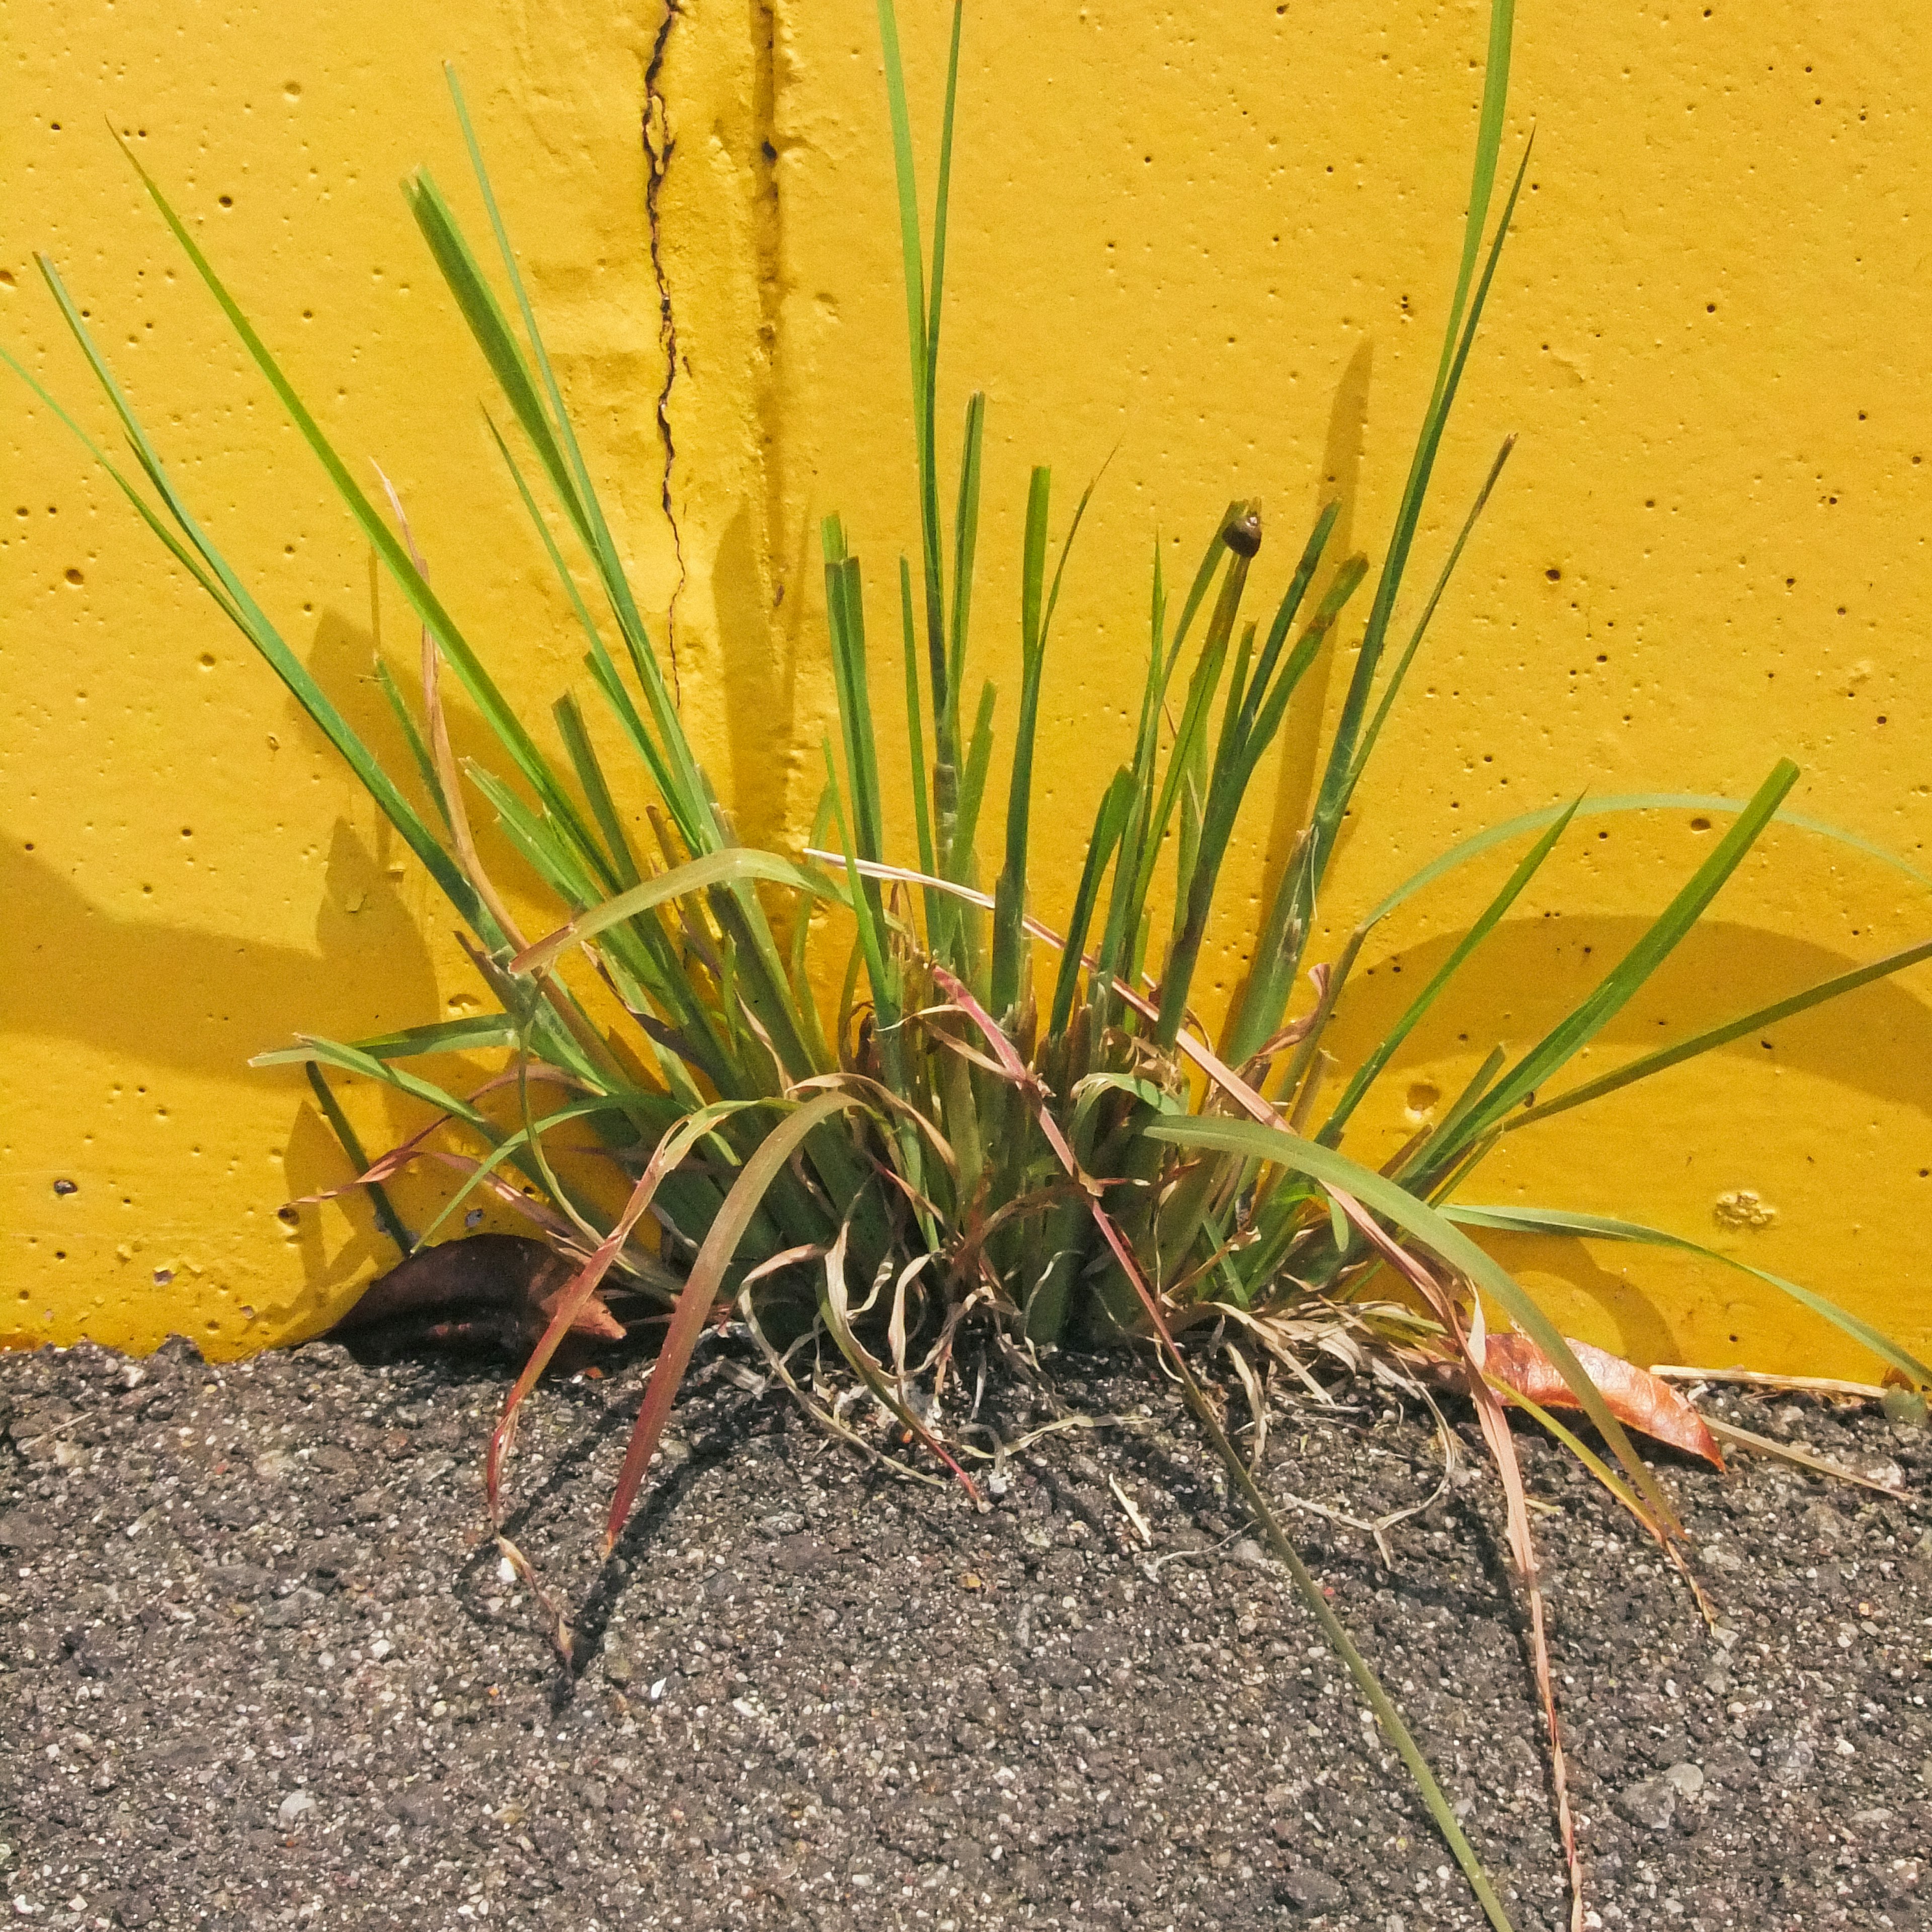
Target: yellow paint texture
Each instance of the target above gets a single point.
(1214, 245)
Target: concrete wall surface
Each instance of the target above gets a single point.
(1209, 248)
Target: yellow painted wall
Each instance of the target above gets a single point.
(1215, 241)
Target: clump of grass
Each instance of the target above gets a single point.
(1022, 1126)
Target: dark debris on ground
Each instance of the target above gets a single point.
(260, 1666)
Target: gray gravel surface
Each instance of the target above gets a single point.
(259, 1668)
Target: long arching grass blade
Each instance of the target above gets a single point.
(736, 864)
(205, 562)
(1602, 1227)
(1491, 914)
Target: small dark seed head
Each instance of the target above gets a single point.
(1244, 535)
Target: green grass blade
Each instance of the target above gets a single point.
(689, 797)
(1344, 769)
(1483, 177)
(500, 716)
(1478, 843)
(212, 571)
(965, 541)
(912, 248)
(865, 902)
(1123, 901)
(973, 783)
(590, 776)
(1285, 612)
(931, 539)
(1393, 688)
(551, 858)
(845, 613)
(1110, 823)
(1197, 868)
(1597, 1227)
(937, 913)
(412, 737)
(1217, 548)
(334, 1053)
(1010, 892)
(1386, 1047)
(1712, 1037)
(481, 1033)
(188, 559)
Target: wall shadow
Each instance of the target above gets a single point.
(204, 1002)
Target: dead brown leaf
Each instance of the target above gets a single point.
(1636, 1398)
(483, 1289)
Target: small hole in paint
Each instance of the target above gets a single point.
(1423, 1094)
(1700, 824)
(226, 200)
(163, 1277)
(65, 1187)
(1554, 575)
(74, 577)
(474, 1219)
(290, 1215)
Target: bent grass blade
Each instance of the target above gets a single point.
(701, 1289)
(1434, 1231)
(1605, 1228)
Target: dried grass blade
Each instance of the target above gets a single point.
(1759, 1378)
(1618, 1489)
(835, 1310)
(676, 1143)
(1802, 1459)
(700, 1290)
(781, 1370)
(1473, 1346)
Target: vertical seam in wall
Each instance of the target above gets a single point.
(766, 217)
(658, 147)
